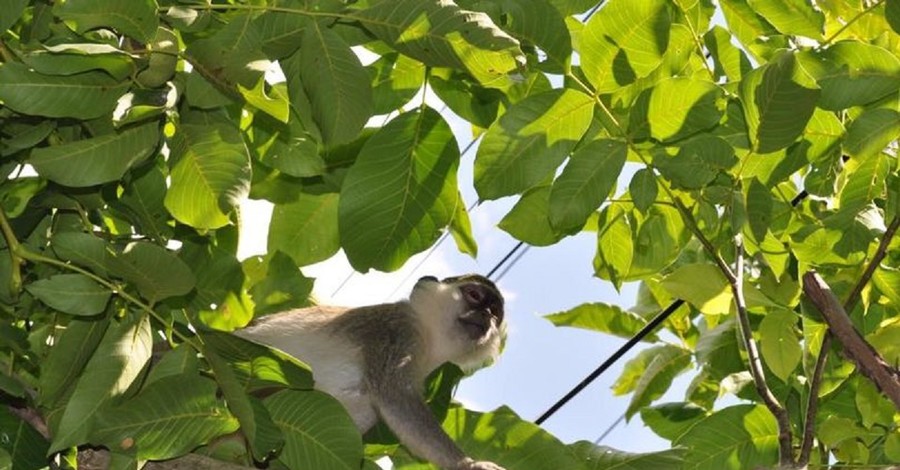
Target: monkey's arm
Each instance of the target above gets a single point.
(401, 407)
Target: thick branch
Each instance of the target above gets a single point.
(869, 362)
(785, 436)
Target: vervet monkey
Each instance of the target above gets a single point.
(375, 359)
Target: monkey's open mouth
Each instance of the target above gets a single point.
(476, 323)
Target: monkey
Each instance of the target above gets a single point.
(374, 359)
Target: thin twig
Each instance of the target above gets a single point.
(785, 436)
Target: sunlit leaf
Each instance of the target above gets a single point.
(671, 420)
(306, 229)
(625, 40)
(734, 438)
(400, 192)
(794, 17)
(711, 296)
(529, 219)
(530, 141)
(601, 317)
(75, 294)
(137, 18)
(871, 132)
(585, 182)
(852, 73)
(779, 343)
(83, 96)
(657, 377)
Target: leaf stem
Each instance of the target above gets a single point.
(849, 23)
(785, 436)
(15, 258)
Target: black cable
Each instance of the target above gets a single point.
(505, 259)
(646, 330)
(511, 264)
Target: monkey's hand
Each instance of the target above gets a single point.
(469, 464)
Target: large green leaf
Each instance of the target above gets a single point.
(400, 192)
(502, 436)
(63, 365)
(671, 420)
(615, 245)
(604, 458)
(96, 160)
(75, 294)
(143, 203)
(530, 141)
(756, 34)
(680, 107)
(155, 271)
(865, 182)
(852, 73)
(539, 23)
(729, 60)
(278, 284)
(529, 219)
(135, 18)
(624, 41)
(219, 296)
(441, 34)
(735, 438)
(168, 418)
(696, 163)
(257, 366)
(793, 17)
(117, 362)
(336, 83)
(26, 447)
(317, 429)
(778, 100)
(70, 59)
(11, 13)
(712, 296)
(585, 182)
(210, 173)
(231, 56)
(83, 96)
(605, 318)
(306, 229)
(779, 342)
(657, 377)
(871, 132)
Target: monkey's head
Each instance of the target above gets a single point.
(463, 315)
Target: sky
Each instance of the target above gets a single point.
(541, 362)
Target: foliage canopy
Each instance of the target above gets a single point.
(758, 146)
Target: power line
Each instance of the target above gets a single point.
(505, 259)
(609, 430)
(512, 263)
(646, 330)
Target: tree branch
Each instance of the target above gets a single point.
(785, 436)
(869, 362)
(852, 299)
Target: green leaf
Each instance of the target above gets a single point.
(615, 245)
(11, 13)
(779, 343)
(502, 436)
(440, 34)
(657, 239)
(461, 230)
(865, 181)
(210, 173)
(257, 426)
(26, 448)
(83, 96)
(180, 361)
(778, 100)
(15, 194)
(624, 41)
(697, 162)
(143, 202)
(852, 73)
(400, 192)
(231, 56)
(892, 15)
(730, 61)
(871, 132)
(529, 221)
(219, 296)
(155, 271)
(75, 294)
(718, 350)
(71, 59)
(395, 80)
(288, 148)
(281, 286)
(542, 25)
(702, 285)
(755, 34)
(605, 318)
(585, 182)
(681, 106)
(318, 431)
(791, 17)
(257, 366)
(306, 229)
(643, 189)
(67, 358)
(759, 209)
(602, 458)
(530, 141)
(657, 377)
(168, 418)
(888, 283)
(671, 420)
(96, 160)
(163, 59)
(636, 367)
(336, 83)
(734, 438)
(118, 361)
(137, 18)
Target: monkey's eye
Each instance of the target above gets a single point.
(473, 293)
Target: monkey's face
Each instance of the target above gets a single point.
(467, 311)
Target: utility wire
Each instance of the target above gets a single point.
(646, 330)
(609, 430)
(505, 259)
(512, 263)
